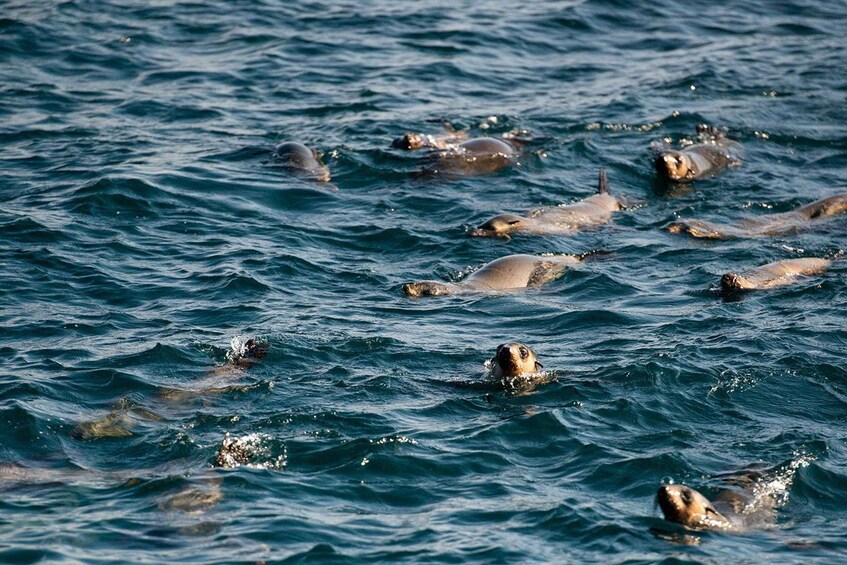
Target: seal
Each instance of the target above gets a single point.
(514, 360)
(591, 211)
(414, 141)
(706, 159)
(772, 275)
(506, 273)
(241, 357)
(475, 156)
(769, 225)
(688, 507)
(123, 415)
(301, 160)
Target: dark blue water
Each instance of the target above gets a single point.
(144, 229)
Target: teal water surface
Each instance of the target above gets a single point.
(145, 231)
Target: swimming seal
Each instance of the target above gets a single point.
(714, 154)
(241, 357)
(768, 225)
(688, 507)
(591, 211)
(514, 360)
(475, 157)
(413, 141)
(779, 273)
(506, 273)
(123, 415)
(301, 160)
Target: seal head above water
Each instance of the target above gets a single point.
(715, 153)
(514, 360)
(688, 507)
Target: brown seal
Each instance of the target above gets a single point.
(591, 211)
(779, 273)
(768, 225)
(514, 360)
(301, 160)
(475, 156)
(688, 507)
(714, 154)
(506, 273)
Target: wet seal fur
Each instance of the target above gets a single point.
(768, 225)
(301, 160)
(712, 155)
(506, 273)
(413, 141)
(684, 505)
(591, 211)
(772, 275)
(476, 156)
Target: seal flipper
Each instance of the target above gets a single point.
(603, 183)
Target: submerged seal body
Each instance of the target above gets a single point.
(591, 211)
(779, 273)
(514, 360)
(688, 507)
(474, 157)
(768, 225)
(506, 273)
(706, 159)
(301, 160)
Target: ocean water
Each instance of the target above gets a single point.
(145, 233)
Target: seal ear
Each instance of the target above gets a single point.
(538, 366)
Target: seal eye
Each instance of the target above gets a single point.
(524, 353)
(513, 222)
(686, 497)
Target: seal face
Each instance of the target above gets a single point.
(501, 226)
(674, 165)
(688, 507)
(426, 288)
(514, 360)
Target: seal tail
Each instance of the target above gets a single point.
(603, 183)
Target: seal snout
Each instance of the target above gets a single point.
(672, 165)
(732, 282)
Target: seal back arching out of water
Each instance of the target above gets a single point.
(506, 273)
(688, 507)
(779, 273)
(301, 160)
(475, 157)
(591, 211)
(715, 153)
(767, 225)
